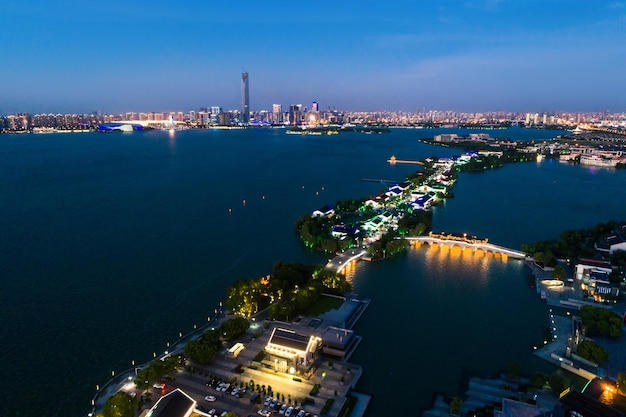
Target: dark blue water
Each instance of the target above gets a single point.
(112, 244)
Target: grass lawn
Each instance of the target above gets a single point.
(322, 305)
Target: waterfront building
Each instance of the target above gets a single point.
(291, 352)
(245, 98)
(338, 342)
(173, 404)
(585, 266)
(579, 404)
(613, 242)
(326, 211)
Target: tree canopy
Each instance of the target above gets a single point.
(203, 350)
(601, 322)
(592, 352)
(120, 405)
(289, 290)
(157, 370)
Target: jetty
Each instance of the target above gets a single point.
(379, 180)
(393, 160)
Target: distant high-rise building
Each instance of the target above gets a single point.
(277, 113)
(295, 114)
(245, 98)
(214, 113)
(315, 106)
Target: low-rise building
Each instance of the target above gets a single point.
(613, 242)
(326, 211)
(586, 266)
(173, 404)
(291, 352)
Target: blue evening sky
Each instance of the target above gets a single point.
(467, 55)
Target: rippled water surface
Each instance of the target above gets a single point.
(112, 244)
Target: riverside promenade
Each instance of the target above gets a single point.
(120, 380)
(564, 302)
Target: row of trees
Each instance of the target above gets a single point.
(416, 223)
(387, 245)
(573, 244)
(203, 350)
(157, 370)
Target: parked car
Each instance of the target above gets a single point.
(301, 413)
(264, 413)
(283, 408)
(289, 412)
(159, 385)
(209, 398)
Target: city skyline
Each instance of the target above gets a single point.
(476, 55)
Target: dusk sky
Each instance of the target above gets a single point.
(152, 55)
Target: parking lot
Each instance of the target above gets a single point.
(225, 385)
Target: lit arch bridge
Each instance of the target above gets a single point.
(466, 242)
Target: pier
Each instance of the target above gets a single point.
(379, 180)
(393, 160)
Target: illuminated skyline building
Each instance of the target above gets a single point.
(245, 98)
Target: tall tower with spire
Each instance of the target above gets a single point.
(245, 98)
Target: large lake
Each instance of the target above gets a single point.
(112, 244)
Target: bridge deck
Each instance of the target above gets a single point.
(487, 247)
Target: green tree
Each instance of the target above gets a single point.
(538, 380)
(559, 273)
(558, 383)
(329, 245)
(592, 352)
(601, 322)
(233, 328)
(455, 406)
(203, 350)
(539, 258)
(375, 249)
(120, 405)
(621, 382)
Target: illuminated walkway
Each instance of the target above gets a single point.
(465, 242)
(339, 262)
